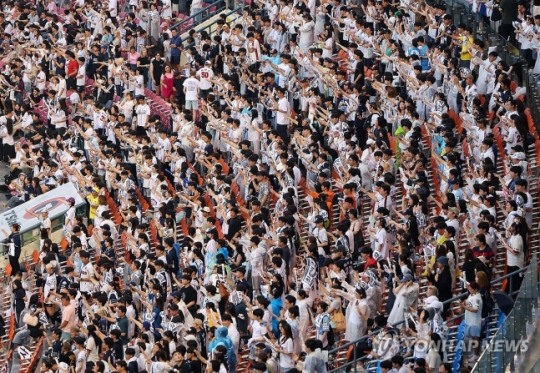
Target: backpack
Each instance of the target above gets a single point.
(487, 304)
(330, 337)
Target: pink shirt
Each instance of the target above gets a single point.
(68, 314)
(133, 57)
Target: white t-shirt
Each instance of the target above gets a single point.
(382, 239)
(81, 359)
(139, 85)
(50, 284)
(204, 75)
(113, 7)
(191, 86)
(92, 350)
(166, 9)
(87, 273)
(41, 80)
(281, 118)
(81, 76)
(285, 360)
(143, 112)
(258, 329)
(62, 89)
(59, 119)
(474, 318)
(513, 259)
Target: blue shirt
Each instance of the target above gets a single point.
(176, 40)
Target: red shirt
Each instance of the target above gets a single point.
(370, 263)
(72, 68)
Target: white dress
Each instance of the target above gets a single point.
(306, 36)
(304, 316)
(320, 20)
(356, 327)
(407, 297)
(536, 69)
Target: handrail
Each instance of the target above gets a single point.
(193, 16)
(231, 11)
(448, 301)
(514, 325)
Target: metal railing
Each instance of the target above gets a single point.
(508, 52)
(351, 366)
(512, 337)
(201, 16)
(209, 28)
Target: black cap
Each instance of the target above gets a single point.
(383, 210)
(366, 250)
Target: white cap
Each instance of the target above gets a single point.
(63, 368)
(518, 155)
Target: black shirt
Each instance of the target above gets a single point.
(118, 350)
(109, 356)
(60, 69)
(143, 61)
(183, 367)
(157, 69)
(189, 294)
(196, 366)
(235, 224)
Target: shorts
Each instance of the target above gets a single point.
(80, 88)
(205, 93)
(175, 60)
(472, 331)
(192, 104)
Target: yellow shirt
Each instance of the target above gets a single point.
(466, 42)
(441, 240)
(94, 203)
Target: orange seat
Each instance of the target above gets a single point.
(184, 227)
(224, 166)
(35, 256)
(513, 86)
(64, 244)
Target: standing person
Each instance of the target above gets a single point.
(191, 90)
(81, 76)
(509, 13)
(87, 276)
(167, 9)
(443, 281)
(515, 259)
(282, 109)
(72, 68)
(472, 308)
(286, 347)
(44, 220)
(19, 299)
(69, 317)
(205, 75)
(325, 334)
(157, 66)
(176, 49)
(70, 214)
(196, 8)
(14, 252)
(406, 297)
(167, 84)
(142, 111)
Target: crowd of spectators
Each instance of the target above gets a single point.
(310, 173)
